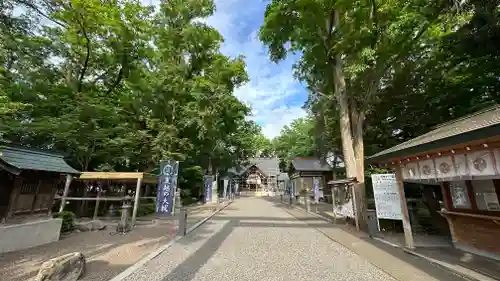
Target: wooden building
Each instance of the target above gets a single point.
(462, 156)
(259, 176)
(29, 179)
(111, 188)
(304, 170)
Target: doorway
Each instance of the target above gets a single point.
(6, 187)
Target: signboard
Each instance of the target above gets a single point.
(167, 184)
(316, 189)
(459, 194)
(208, 182)
(226, 186)
(345, 210)
(387, 200)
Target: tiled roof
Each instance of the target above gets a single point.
(476, 121)
(310, 164)
(23, 158)
(268, 166)
(283, 177)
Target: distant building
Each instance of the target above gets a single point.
(304, 170)
(259, 175)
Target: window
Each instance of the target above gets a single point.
(485, 195)
(459, 195)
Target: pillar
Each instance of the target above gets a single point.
(69, 178)
(136, 200)
(96, 209)
(404, 209)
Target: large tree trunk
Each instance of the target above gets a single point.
(345, 117)
(357, 119)
(352, 136)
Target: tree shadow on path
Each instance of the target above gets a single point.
(187, 270)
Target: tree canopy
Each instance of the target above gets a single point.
(118, 85)
(381, 72)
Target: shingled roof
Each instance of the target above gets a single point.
(310, 164)
(477, 126)
(16, 158)
(267, 166)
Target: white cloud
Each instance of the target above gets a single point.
(274, 120)
(272, 90)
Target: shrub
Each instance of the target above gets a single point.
(68, 220)
(146, 209)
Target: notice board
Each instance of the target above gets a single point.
(387, 199)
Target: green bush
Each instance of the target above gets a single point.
(146, 209)
(68, 220)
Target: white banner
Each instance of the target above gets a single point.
(346, 210)
(387, 199)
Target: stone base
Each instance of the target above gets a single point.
(68, 267)
(215, 200)
(28, 235)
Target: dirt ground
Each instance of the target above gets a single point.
(107, 253)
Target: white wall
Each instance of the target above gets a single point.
(28, 235)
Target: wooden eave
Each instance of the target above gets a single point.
(464, 134)
(125, 176)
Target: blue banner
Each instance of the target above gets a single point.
(208, 182)
(316, 189)
(167, 185)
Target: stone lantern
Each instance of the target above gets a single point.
(124, 225)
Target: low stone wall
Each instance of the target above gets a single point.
(29, 234)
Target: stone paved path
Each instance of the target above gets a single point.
(253, 239)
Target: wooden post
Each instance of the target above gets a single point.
(355, 208)
(334, 206)
(446, 196)
(96, 209)
(69, 178)
(36, 196)
(404, 209)
(14, 195)
(136, 200)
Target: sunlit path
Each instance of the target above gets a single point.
(255, 240)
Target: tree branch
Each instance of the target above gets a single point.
(39, 11)
(87, 57)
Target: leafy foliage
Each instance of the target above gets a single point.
(381, 72)
(295, 140)
(68, 221)
(120, 86)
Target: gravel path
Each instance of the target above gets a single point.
(254, 240)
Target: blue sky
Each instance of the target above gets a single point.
(275, 96)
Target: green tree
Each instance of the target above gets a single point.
(349, 51)
(121, 86)
(295, 140)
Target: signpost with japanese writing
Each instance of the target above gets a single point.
(387, 199)
(316, 189)
(208, 182)
(167, 185)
